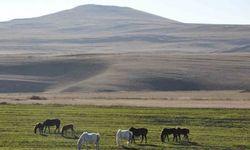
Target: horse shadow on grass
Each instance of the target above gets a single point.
(45, 135)
(141, 145)
(149, 145)
(70, 137)
(187, 143)
(129, 148)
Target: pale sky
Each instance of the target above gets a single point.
(188, 11)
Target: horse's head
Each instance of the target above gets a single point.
(35, 129)
(131, 129)
(38, 126)
(41, 126)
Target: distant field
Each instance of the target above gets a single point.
(210, 128)
(177, 99)
(124, 72)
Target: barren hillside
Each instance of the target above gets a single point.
(96, 28)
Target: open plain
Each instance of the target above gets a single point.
(105, 68)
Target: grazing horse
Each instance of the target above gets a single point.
(52, 122)
(184, 132)
(139, 132)
(168, 131)
(123, 134)
(88, 138)
(38, 126)
(68, 127)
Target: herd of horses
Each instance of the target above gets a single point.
(94, 138)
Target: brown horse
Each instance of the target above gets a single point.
(52, 122)
(139, 132)
(168, 131)
(184, 132)
(68, 127)
(40, 127)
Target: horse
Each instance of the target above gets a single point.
(40, 127)
(68, 127)
(124, 134)
(52, 122)
(139, 132)
(88, 138)
(184, 132)
(168, 131)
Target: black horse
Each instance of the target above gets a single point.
(139, 132)
(68, 127)
(168, 131)
(52, 122)
(184, 132)
(40, 127)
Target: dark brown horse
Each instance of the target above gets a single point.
(40, 127)
(68, 127)
(168, 131)
(139, 132)
(52, 122)
(184, 132)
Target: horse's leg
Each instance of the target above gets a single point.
(178, 137)
(39, 130)
(97, 145)
(73, 132)
(117, 142)
(45, 129)
(164, 138)
(63, 132)
(175, 137)
(142, 138)
(79, 146)
(145, 138)
(132, 139)
(59, 128)
(186, 136)
(56, 129)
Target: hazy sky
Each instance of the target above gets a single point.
(189, 11)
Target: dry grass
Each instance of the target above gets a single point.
(194, 99)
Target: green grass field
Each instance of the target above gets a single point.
(210, 128)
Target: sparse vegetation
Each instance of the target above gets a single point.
(3, 103)
(34, 97)
(210, 128)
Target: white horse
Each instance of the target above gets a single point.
(123, 134)
(88, 138)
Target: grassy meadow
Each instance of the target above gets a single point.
(210, 128)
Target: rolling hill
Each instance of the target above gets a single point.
(96, 28)
(95, 48)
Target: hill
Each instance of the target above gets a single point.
(96, 28)
(124, 72)
(95, 48)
